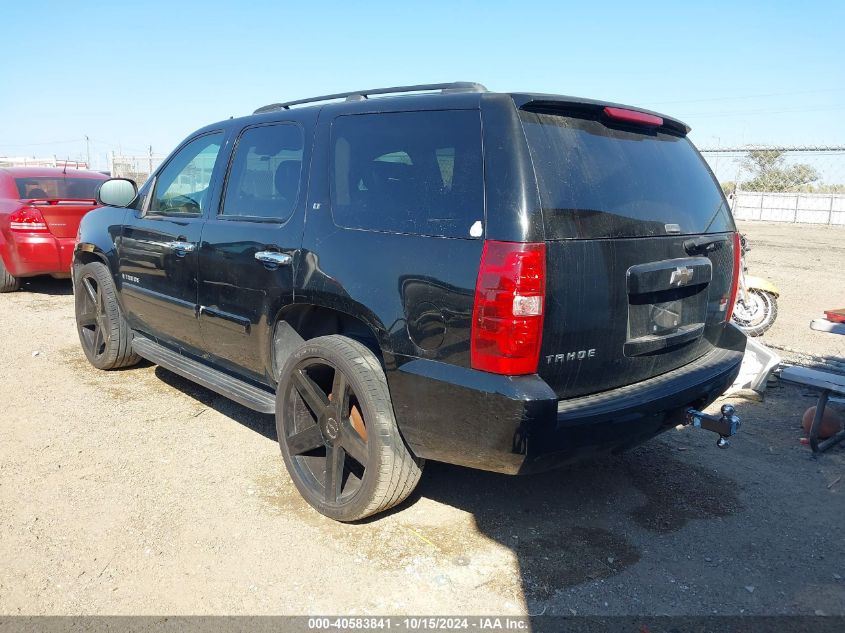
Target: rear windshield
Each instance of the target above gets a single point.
(599, 182)
(61, 188)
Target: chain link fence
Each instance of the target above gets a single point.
(782, 184)
(134, 167)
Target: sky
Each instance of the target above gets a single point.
(133, 75)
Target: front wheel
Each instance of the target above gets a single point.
(106, 338)
(337, 432)
(758, 314)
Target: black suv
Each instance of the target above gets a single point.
(500, 281)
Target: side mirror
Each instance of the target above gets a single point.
(117, 192)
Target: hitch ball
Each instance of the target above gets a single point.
(724, 426)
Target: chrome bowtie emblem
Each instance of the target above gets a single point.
(681, 276)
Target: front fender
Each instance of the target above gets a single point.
(758, 283)
(98, 234)
(88, 247)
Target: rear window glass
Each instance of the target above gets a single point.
(408, 172)
(61, 188)
(598, 181)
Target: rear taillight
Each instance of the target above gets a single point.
(27, 219)
(735, 281)
(507, 318)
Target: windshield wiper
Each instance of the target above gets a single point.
(704, 243)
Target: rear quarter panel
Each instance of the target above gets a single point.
(415, 293)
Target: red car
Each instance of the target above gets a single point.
(40, 210)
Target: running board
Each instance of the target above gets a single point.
(241, 392)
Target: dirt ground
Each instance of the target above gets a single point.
(807, 264)
(136, 492)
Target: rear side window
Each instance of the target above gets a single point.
(408, 172)
(265, 173)
(598, 181)
(58, 188)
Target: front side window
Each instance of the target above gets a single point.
(264, 177)
(408, 172)
(182, 186)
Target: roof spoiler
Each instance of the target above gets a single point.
(550, 103)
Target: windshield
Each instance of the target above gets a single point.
(68, 188)
(600, 182)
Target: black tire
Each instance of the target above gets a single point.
(7, 282)
(105, 337)
(759, 317)
(356, 433)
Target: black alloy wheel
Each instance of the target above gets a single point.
(338, 433)
(328, 450)
(92, 320)
(105, 337)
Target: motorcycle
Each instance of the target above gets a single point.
(756, 305)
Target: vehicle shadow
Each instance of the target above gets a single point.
(259, 422)
(583, 523)
(46, 285)
(577, 525)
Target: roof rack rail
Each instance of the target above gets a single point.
(357, 95)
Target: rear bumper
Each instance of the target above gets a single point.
(517, 425)
(29, 254)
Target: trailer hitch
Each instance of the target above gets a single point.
(725, 426)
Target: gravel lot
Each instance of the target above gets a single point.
(136, 492)
(807, 264)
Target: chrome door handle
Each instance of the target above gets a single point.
(273, 257)
(185, 247)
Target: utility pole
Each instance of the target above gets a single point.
(87, 152)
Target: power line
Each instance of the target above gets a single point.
(84, 139)
(118, 145)
(757, 96)
(75, 140)
(744, 112)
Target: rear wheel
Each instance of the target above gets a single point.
(337, 432)
(8, 283)
(106, 338)
(758, 314)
